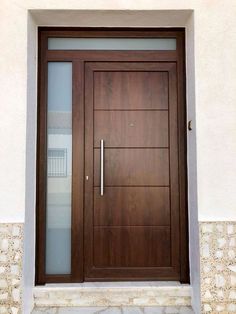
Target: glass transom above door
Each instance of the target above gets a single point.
(111, 43)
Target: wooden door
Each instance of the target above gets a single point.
(134, 101)
(133, 230)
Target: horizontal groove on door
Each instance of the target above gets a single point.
(112, 147)
(132, 110)
(103, 226)
(128, 186)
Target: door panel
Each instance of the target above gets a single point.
(118, 90)
(133, 166)
(132, 246)
(131, 128)
(132, 206)
(133, 229)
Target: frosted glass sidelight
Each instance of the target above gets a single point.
(111, 43)
(59, 168)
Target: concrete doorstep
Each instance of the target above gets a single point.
(114, 310)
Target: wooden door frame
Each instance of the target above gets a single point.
(78, 58)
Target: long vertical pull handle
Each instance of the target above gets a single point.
(102, 167)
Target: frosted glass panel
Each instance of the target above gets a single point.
(112, 44)
(59, 166)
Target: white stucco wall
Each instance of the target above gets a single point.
(215, 50)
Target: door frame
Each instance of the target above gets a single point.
(78, 58)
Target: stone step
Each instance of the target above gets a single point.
(113, 294)
(115, 310)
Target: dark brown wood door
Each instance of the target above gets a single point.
(132, 231)
(134, 101)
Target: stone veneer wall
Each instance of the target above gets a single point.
(218, 267)
(11, 253)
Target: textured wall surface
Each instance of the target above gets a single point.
(215, 73)
(11, 247)
(218, 267)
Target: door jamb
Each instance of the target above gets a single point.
(78, 96)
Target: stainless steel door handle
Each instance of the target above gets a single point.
(102, 167)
